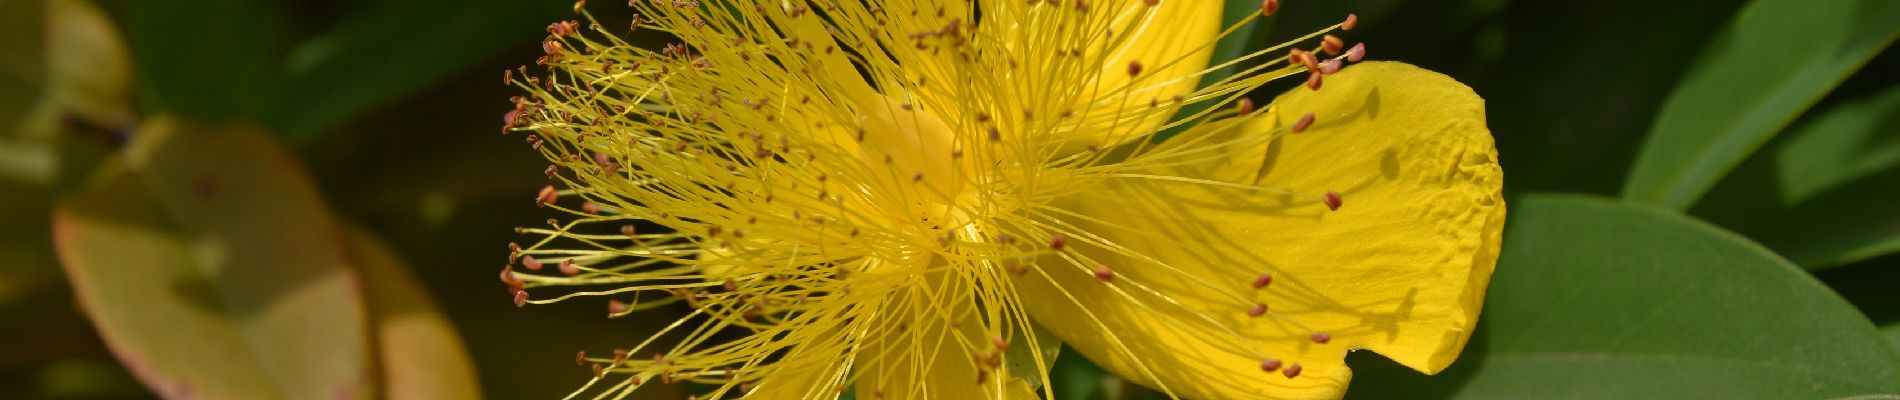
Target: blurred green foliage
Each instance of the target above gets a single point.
(1775, 121)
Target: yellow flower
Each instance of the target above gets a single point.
(899, 197)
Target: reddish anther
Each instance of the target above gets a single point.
(1352, 20)
(1268, 7)
(1333, 201)
(1291, 371)
(1306, 121)
(531, 263)
(1270, 365)
(1357, 52)
(1257, 310)
(1102, 273)
(1246, 106)
(1058, 242)
(1331, 44)
(1134, 68)
(1313, 79)
(1262, 281)
(521, 298)
(547, 195)
(568, 267)
(1321, 337)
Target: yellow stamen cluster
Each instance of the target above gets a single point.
(819, 181)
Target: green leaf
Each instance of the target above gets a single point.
(1821, 195)
(208, 264)
(385, 50)
(1595, 299)
(421, 355)
(210, 59)
(1773, 61)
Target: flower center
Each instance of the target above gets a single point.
(909, 149)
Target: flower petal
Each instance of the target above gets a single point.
(1171, 47)
(930, 341)
(1400, 268)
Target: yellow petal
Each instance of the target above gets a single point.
(1171, 46)
(1400, 269)
(931, 344)
(1171, 41)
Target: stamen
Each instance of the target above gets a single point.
(547, 196)
(1291, 371)
(1102, 273)
(1352, 20)
(1257, 310)
(1332, 199)
(1321, 337)
(1262, 281)
(1304, 122)
(1245, 106)
(1134, 68)
(1268, 7)
(1357, 52)
(1331, 44)
(1270, 365)
(521, 298)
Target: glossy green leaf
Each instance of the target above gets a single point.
(1772, 62)
(1595, 299)
(208, 264)
(382, 51)
(211, 59)
(421, 355)
(1822, 194)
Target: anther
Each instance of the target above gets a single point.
(1352, 20)
(1321, 337)
(531, 263)
(1257, 310)
(620, 356)
(1329, 67)
(1246, 106)
(521, 298)
(1057, 242)
(1357, 52)
(1302, 58)
(1270, 365)
(1291, 371)
(1134, 67)
(1268, 7)
(615, 308)
(568, 267)
(590, 208)
(628, 230)
(547, 195)
(1332, 200)
(580, 358)
(1313, 79)
(1102, 273)
(1331, 44)
(1001, 344)
(1262, 281)
(508, 276)
(1306, 121)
